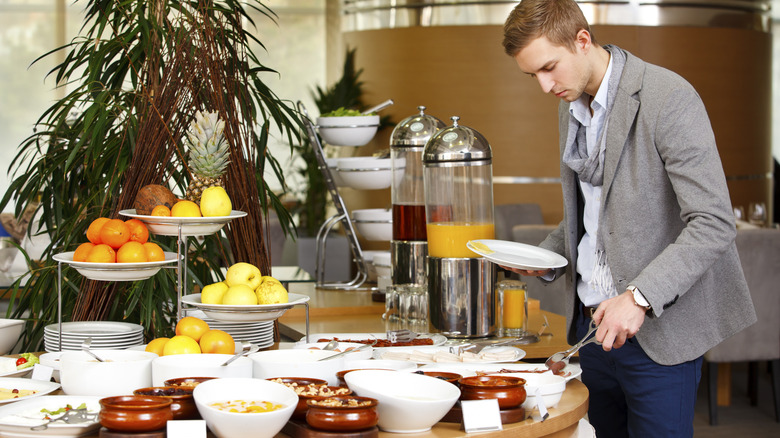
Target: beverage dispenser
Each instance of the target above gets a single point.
(458, 176)
(409, 246)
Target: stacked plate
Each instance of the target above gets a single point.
(258, 333)
(104, 334)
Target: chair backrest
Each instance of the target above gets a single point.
(759, 253)
(551, 296)
(509, 215)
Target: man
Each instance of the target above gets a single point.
(648, 227)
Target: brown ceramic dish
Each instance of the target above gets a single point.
(329, 391)
(443, 375)
(508, 390)
(340, 374)
(182, 403)
(301, 381)
(135, 413)
(340, 416)
(186, 381)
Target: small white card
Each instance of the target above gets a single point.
(42, 372)
(543, 414)
(481, 415)
(186, 429)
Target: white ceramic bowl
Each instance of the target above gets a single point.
(364, 364)
(383, 265)
(296, 363)
(198, 365)
(10, 331)
(366, 173)
(52, 360)
(333, 166)
(122, 372)
(408, 402)
(550, 386)
(341, 346)
(374, 223)
(241, 425)
(368, 260)
(347, 131)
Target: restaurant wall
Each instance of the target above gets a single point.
(462, 70)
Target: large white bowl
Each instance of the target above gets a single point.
(52, 360)
(374, 223)
(366, 173)
(122, 372)
(383, 265)
(296, 363)
(550, 386)
(198, 365)
(408, 402)
(367, 364)
(10, 331)
(241, 425)
(348, 131)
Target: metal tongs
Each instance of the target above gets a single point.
(558, 361)
(72, 416)
(402, 335)
(362, 347)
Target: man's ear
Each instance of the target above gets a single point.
(583, 41)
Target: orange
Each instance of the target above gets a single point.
(138, 230)
(153, 252)
(185, 208)
(156, 345)
(131, 252)
(161, 210)
(115, 233)
(192, 327)
(93, 232)
(101, 253)
(181, 345)
(217, 342)
(82, 252)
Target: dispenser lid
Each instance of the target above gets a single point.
(415, 130)
(457, 143)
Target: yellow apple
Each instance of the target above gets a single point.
(214, 201)
(271, 291)
(212, 293)
(238, 295)
(243, 273)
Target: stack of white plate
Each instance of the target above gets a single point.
(104, 334)
(258, 333)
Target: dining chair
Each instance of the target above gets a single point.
(759, 252)
(509, 215)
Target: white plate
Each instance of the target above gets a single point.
(190, 226)
(115, 271)
(517, 255)
(42, 387)
(12, 417)
(571, 371)
(248, 313)
(95, 329)
(18, 373)
(437, 338)
(380, 353)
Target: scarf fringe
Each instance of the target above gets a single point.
(601, 281)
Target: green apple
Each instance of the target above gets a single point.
(239, 294)
(214, 201)
(212, 293)
(243, 273)
(271, 291)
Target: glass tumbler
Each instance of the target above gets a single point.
(512, 308)
(412, 303)
(391, 304)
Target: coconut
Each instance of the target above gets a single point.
(151, 196)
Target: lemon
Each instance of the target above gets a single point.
(181, 344)
(214, 201)
(185, 209)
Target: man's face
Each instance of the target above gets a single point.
(558, 70)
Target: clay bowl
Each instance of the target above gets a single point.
(340, 374)
(509, 391)
(182, 403)
(339, 416)
(306, 388)
(443, 375)
(135, 413)
(192, 382)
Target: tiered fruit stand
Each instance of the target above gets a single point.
(181, 228)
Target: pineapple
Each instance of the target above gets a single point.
(209, 153)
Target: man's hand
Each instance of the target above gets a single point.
(619, 319)
(527, 272)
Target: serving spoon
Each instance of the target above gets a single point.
(85, 348)
(246, 348)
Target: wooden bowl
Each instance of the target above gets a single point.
(509, 391)
(182, 403)
(340, 416)
(443, 375)
(135, 413)
(325, 392)
(187, 381)
(302, 381)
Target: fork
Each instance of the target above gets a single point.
(402, 335)
(558, 361)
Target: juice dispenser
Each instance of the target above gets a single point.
(458, 179)
(409, 246)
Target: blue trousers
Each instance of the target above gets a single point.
(632, 396)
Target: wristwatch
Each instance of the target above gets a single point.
(639, 299)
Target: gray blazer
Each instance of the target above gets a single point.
(669, 226)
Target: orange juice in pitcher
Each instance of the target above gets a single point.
(448, 239)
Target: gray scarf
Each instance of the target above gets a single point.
(590, 168)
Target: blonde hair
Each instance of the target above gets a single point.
(558, 20)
